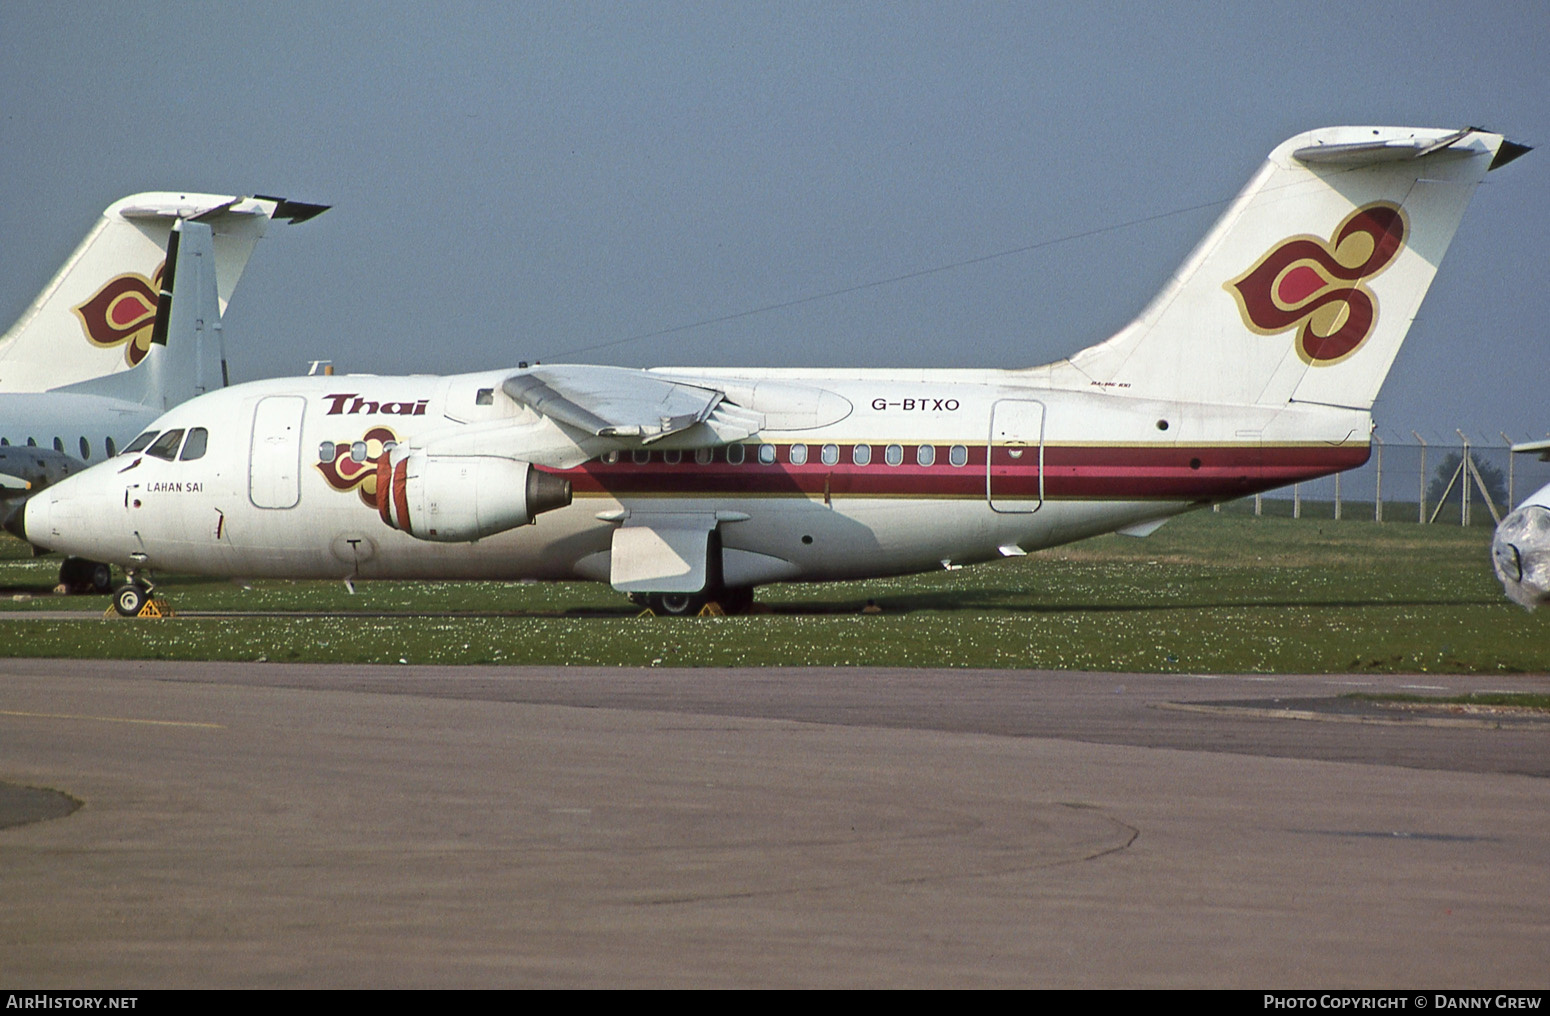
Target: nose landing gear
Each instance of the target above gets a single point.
(133, 599)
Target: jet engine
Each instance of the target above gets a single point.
(460, 498)
(1521, 551)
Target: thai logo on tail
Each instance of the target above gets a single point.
(123, 313)
(1319, 286)
(352, 465)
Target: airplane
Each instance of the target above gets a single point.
(1520, 547)
(1255, 367)
(89, 363)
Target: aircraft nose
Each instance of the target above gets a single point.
(34, 517)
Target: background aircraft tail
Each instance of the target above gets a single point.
(1306, 286)
(183, 355)
(95, 317)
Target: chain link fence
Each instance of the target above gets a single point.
(1462, 482)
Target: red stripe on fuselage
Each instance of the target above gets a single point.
(1069, 472)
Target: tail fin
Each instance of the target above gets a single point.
(1306, 286)
(95, 316)
(183, 357)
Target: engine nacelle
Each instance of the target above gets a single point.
(460, 498)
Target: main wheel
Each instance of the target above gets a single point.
(79, 575)
(677, 604)
(99, 578)
(128, 600)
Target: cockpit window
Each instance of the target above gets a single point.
(139, 443)
(166, 446)
(194, 447)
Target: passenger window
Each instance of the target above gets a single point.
(830, 454)
(798, 454)
(358, 451)
(166, 446)
(925, 455)
(194, 447)
(85, 448)
(5, 442)
(736, 454)
(958, 455)
(861, 455)
(640, 456)
(485, 397)
(673, 457)
(59, 445)
(327, 452)
(893, 454)
(112, 448)
(767, 454)
(32, 442)
(704, 456)
(611, 457)
(139, 443)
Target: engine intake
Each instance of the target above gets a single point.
(461, 498)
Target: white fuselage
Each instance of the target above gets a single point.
(861, 473)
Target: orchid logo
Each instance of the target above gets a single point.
(1320, 286)
(122, 313)
(353, 464)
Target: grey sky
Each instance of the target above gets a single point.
(525, 181)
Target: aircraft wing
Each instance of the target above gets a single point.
(633, 406)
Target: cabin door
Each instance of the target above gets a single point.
(1014, 477)
(274, 464)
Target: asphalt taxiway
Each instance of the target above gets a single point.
(191, 824)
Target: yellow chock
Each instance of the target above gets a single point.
(153, 607)
(648, 612)
(712, 609)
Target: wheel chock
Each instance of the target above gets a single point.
(648, 612)
(711, 609)
(154, 607)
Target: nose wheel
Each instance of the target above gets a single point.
(131, 597)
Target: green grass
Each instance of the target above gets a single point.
(1507, 699)
(1208, 593)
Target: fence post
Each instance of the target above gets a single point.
(1466, 466)
(1337, 497)
(1296, 500)
(1422, 499)
(1511, 499)
(1377, 502)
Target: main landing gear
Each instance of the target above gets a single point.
(731, 601)
(79, 576)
